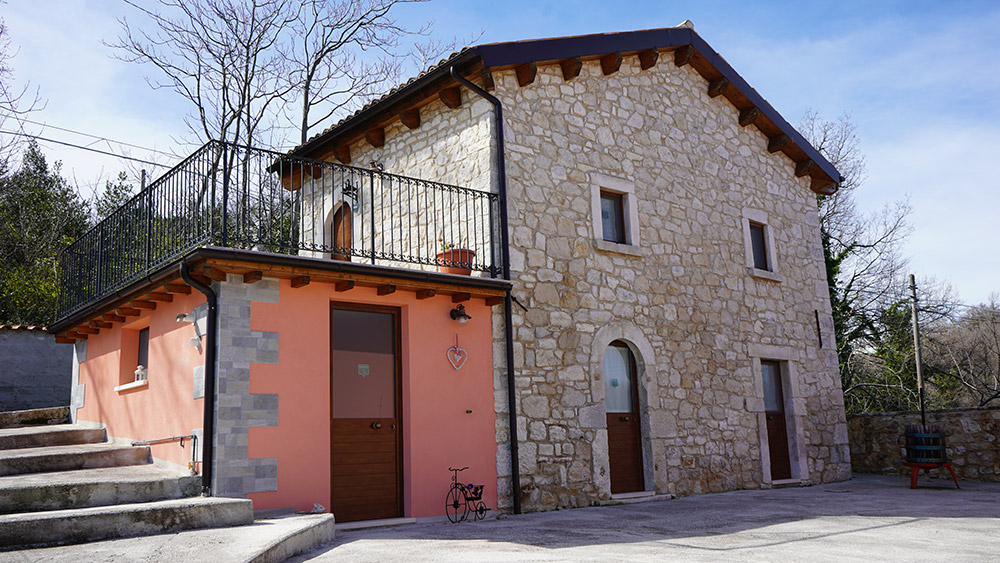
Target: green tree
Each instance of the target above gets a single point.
(115, 194)
(40, 214)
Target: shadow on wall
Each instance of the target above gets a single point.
(36, 372)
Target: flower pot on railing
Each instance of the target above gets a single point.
(456, 256)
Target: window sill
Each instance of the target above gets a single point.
(766, 275)
(627, 249)
(133, 385)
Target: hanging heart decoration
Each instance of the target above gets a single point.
(457, 357)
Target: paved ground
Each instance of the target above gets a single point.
(867, 518)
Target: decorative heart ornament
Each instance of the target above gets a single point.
(457, 356)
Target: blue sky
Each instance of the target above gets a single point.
(920, 79)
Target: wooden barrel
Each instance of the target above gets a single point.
(925, 444)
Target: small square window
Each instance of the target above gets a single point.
(613, 217)
(759, 245)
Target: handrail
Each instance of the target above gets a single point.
(194, 446)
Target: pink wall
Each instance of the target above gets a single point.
(164, 407)
(437, 431)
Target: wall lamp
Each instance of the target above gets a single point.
(459, 314)
(186, 317)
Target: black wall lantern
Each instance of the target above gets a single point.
(459, 314)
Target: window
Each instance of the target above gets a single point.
(134, 352)
(143, 356)
(613, 217)
(758, 240)
(758, 247)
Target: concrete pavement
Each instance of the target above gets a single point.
(867, 518)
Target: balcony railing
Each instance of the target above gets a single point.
(239, 197)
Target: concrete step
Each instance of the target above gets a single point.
(51, 415)
(67, 458)
(36, 492)
(54, 435)
(129, 520)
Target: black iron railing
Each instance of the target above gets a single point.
(239, 197)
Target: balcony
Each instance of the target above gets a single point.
(231, 196)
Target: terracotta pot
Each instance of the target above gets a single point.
(462, 255)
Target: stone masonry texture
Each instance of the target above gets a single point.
(972, 436)
(35, 372)
(237, 410)
(681, 297)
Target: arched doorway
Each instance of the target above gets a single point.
(621, 402)
(343, 233)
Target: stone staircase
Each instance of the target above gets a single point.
(62, 483)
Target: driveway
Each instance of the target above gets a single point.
(867, 518)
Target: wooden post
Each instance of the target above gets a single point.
(916, 349)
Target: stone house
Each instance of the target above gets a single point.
(646, 313)
(671, 326)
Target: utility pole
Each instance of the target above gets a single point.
(916, 349)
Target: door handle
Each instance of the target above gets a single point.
(623, 419)
(376, 425)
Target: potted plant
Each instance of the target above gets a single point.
(453, 258)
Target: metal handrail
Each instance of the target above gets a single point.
(256, 199)
(194, 446)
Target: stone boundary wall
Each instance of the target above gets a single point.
(36, 371)
(973, 440)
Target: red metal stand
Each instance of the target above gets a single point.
(915, 468)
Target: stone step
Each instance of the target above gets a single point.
(54, 435)
(67, 458)
(122, 521)
(52, 415)
(36, 492)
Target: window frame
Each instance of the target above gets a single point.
(601, 184)
(755, 217)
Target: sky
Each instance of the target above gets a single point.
(919, 79)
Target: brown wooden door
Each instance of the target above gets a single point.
(343, 232)
(774, 414)
(621, 403)
(366, 476)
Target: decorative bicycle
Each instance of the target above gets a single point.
(463, 499)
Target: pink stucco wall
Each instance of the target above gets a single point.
(165, 406)
(437, 431)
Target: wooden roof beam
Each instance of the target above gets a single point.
(300, 281)
(451, 97)
(461, 297)
(113, 318)
(525, 73)
(214, 274)
(749, 116)
(571, 67)
(683, 55)
(376, 137)
(823, 187)
(127, 312)
(410, 118)
(345, 285)
(161, 296)
(182, 288)
(343, 153)
(386, 289)
(717, 87)
(425, 294)
(610, 63)
(778, 142)
(487, 77)
(648, 58)
(253, 276)
(144, 304)
(804, 168)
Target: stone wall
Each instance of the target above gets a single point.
(973, 440)
(36, 371)
(680, 294)
(236, 474)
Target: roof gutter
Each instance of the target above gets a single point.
(507, 302)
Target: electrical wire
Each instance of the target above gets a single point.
(39, 138)
(98, 137)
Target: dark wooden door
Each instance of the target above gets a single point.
(621, 403)
(774, 413)
(366, 477)
(343, 232)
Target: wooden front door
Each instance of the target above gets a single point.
(366, 476)
(774, 413)
(343, 232)
(621, 400)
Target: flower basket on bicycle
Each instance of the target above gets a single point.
(463, 499)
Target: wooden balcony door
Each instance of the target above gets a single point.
(621, 400)
(774, 414)
(365, 423)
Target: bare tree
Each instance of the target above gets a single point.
(221, 55)
(964, 353)
(15, 102)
